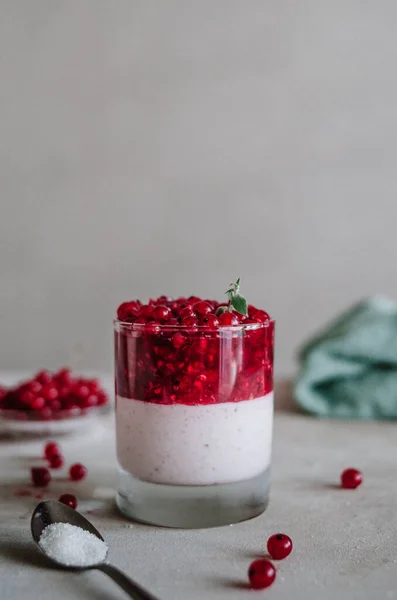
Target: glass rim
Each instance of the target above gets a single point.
(120, 325)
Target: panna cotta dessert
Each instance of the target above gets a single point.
(194, 404)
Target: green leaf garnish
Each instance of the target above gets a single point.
(239, 304)
(236, 300)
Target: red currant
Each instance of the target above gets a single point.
(51, 449)
(40, 476)
(161, 313)
(186, 312)
(202, 308)
(261, 316)
(43, 377)
(55, 461)
(210, 321)
(69, 500)
(146, 311)
(190, 322)
(351, 479)
(178, 340)
(153, 328)
(77, 472)
(261, 574)
(128, 311)
(227, 319)
(37, 403)
(279, 546)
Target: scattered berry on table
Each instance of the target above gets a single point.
(77, 472)
(69, 500)
(351, 479)
(50, 449)
(261, 574)
(279, 546)
(55, 461)
(41, 476)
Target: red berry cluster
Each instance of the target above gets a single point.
(47, 394)
(174, 351)
(262, 573)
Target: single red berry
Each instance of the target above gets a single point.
(351, 479)
(210, 321)
(146, 311)
(178, 340)
(202, 308)
(128, 311)
(38, 403)
(40, 476)
(82, 391)
(55, 461)
(77, 472)
(43, 377)
(91, 400)
(50, 449)
(261, 574)
(186, 312)
(227, 319)
(69, 500)
(161, 313)
(64, 376)
(49, 392)
(190, 322)
(153, 328)
(261, 316)
(279, 546)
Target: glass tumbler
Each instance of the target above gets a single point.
(194, 421)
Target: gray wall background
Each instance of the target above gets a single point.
(171, 146)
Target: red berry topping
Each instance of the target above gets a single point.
(202, 308)
(261, 574)
(279, 546)
(227, 319)
(69, 500)
(351, 479)
(41, 476)
(77, 472)
(173, 352)
(55, 461)
(161, 313)
(50, 449)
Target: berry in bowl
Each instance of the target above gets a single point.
(51, 403)
(194, 410)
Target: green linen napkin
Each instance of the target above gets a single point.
(349, 370)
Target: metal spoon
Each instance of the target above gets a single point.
(52, 511)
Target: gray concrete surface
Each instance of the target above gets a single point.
(150, 147)
(345, 542)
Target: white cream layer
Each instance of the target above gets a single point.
(180, 444)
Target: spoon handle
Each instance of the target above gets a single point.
(134, 590)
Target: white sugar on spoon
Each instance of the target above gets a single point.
(72, 546)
